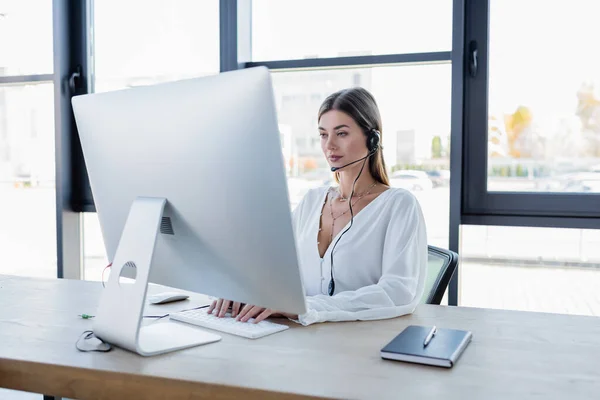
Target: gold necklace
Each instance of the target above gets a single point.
(333, 219)
(359, 196)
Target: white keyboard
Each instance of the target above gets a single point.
(228, 324)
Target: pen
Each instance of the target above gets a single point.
(429, 336)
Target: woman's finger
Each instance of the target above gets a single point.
(235, 308)
(224, 308)
(252, 313)
(215, 306)
(244, 311)
(212, 306)
(263, 315)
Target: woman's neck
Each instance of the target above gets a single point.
(363, 184)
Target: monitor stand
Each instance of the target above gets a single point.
(119, 317)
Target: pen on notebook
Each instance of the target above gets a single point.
(429, 336)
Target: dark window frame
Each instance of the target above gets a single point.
(481, 207)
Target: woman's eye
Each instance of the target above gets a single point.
(323, 135)
(342, 133)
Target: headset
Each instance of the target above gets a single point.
(373, 140)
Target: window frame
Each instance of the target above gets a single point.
(511, 208)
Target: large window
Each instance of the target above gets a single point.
(416, 145)
(544, 97)
(532, 86)
(530, 154)
(143, 42)
(27, 177)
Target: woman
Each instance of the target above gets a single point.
(362, 246)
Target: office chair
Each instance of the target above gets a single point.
(441, 265)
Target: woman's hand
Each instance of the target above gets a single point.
(221, 306)
(260, 314)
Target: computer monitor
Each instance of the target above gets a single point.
(189, 184)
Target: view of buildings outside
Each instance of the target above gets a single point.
(544, 116)
(542, 137)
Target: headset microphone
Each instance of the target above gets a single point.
(333, 169)
(373, 140)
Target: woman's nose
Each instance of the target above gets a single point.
(331, 142)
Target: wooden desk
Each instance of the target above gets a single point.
(512, 355)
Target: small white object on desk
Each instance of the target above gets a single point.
(166, 297)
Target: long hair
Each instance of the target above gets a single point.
(359, 104)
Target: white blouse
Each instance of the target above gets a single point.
(379, 265)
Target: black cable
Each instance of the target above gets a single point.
(166, 315)
(331, 288)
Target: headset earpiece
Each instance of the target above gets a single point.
(373, 140)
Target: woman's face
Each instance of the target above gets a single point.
(342, 140)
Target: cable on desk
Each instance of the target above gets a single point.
(166, 315)
(89, 342)
(105, 268)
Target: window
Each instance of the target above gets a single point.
(128, 54)
(530, 269)
(407, 97)
(337, 28)
(544, 97)
(27, 177)
(27, 180)
(95, 260)
(25, 37)
(535, 93)
(143, 42)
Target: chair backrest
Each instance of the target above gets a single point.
(441, 265)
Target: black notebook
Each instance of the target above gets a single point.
(443, 349)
